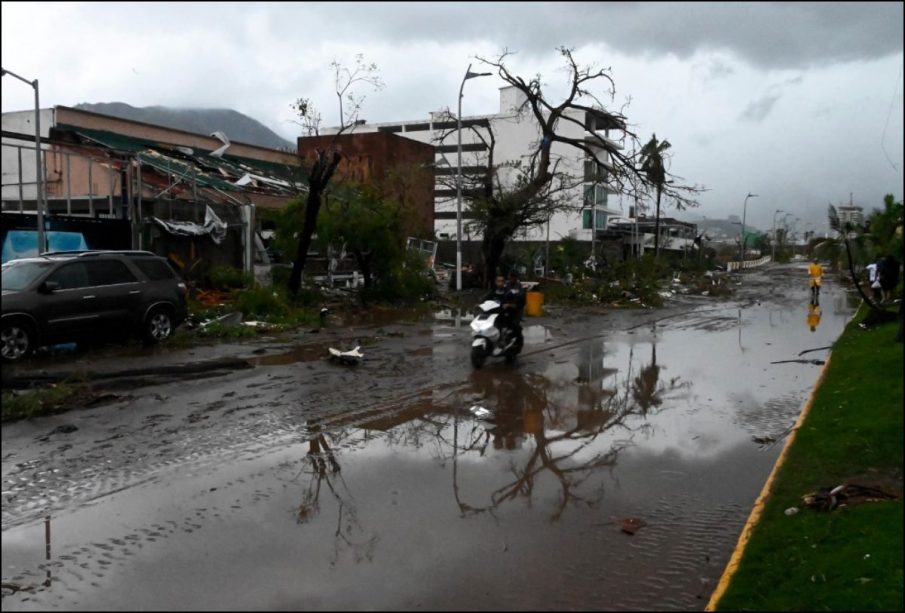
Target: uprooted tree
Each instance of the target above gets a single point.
(516, 195)
(327, 159)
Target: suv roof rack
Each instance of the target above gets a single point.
(96, 252)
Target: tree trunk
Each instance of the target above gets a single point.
(492, 249)
(657, 228)
(851, 270)
(318, 179)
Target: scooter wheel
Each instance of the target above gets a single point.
(478, 357)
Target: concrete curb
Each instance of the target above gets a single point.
(758, 508)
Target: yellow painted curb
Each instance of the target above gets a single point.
(758, 508)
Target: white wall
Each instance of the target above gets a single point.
(516, 137)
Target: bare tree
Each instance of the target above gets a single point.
(538, 185)
(326, 160)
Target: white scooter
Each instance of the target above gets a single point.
(487, 339)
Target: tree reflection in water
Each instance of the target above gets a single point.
(564, 424)
(324, 468)
(576, 426)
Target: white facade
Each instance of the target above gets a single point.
(851, 214)
(516, 138)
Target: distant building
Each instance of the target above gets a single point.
(851, 214)
(516, 136)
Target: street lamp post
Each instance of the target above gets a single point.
(744, 212)
(468, 75)
(42, 244)
(773, 242)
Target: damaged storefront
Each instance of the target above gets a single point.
(196, 206)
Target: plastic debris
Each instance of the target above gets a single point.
(351, 357)
(791, 511)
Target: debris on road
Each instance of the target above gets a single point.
(630, 525)
(351, 357)
(829, 499)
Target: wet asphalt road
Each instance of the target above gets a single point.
(411, 481)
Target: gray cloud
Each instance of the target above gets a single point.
(765, 34)
(759, 109)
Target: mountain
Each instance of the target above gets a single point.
(237, 127)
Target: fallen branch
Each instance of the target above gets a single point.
(817, 362)
(817, 349)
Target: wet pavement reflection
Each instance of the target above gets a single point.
(501, 488)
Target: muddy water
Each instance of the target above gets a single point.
(504, 488)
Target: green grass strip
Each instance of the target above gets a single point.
(849, 559)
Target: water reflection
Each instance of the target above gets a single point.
(813, 318)
(561, 424)
(323, 468)
(516, 434)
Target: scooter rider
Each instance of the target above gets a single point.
(511, 297)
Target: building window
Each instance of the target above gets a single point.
(586, 219)
(595, 194)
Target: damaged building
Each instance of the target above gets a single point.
(111, 183)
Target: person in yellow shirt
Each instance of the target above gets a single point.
(813, 316)
(815, 272)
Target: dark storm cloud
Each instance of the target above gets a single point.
(766, 34)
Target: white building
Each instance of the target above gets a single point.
(516, 137)
(851, 214)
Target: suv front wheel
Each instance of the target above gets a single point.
(158, 325)
(17, 341)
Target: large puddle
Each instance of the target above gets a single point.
(508, 489)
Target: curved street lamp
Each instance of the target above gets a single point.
(42, 243)
(468, 75)
(744, 212)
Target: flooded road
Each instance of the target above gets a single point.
(612, 468)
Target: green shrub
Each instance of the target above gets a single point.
(261, 303)
(405, 283)
(227, 277)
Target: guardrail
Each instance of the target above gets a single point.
(748, 263)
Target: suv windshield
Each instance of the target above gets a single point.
(19, 275)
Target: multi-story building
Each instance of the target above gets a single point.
(515, 137)
(851, 214)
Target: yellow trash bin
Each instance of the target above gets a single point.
(534, 304)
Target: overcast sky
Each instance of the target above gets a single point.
(800, 103)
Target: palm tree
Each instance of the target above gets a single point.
(845, 229)
(652, 167)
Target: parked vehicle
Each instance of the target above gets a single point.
(77, 296)
(493, 336)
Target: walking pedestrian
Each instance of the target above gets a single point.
(815, 272)
(889, 276)
(873, 278)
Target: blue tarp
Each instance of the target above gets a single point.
(24, 243)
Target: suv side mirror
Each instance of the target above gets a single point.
(49, 287)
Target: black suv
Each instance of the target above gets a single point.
(72, 296)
